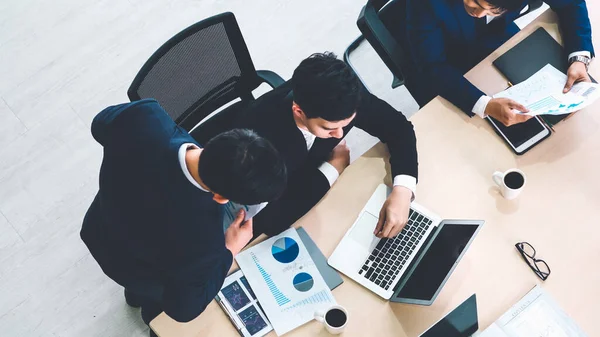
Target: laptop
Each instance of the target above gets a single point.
(411, 267)
(460, 322)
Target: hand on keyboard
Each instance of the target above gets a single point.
(394, 213)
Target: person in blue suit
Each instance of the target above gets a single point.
(449, 37)
(155, 226)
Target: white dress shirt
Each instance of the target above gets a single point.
(181, 156)
(482, 102)
(332, 174)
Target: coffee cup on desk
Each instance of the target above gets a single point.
(511, 182)
(335, 319)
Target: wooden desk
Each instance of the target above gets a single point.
(557, 213)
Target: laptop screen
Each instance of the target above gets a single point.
(460, 322)
(438, 261)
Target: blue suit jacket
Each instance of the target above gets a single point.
(149, 226)
(446, 42)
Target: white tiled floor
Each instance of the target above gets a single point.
(61, 62)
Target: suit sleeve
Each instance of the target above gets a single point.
(426, 40)
(192, 288)
(381, 120)
(306, 186)
(574, 23)
(103, 122)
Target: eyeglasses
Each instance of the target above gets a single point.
(539, 267)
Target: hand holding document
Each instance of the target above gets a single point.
(543, 93)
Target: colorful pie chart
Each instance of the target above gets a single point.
(303, 282)
(285, 250)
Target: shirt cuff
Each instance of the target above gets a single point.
(329, 172)
(407, 181)
(580, 53)
(479, 107)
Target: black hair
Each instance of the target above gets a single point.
(243, 167)
(326, 87)
(501, 6)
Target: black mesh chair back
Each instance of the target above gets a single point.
(197, 71)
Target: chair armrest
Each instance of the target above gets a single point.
(269, 77)
(384, 43)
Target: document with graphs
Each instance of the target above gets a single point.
(286, 281)
(543, 94)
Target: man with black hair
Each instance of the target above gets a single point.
(306, 120)
(449, 37)
(155, 226)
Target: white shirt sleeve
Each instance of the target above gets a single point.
(407, 181)
(329, 172)
(480, 105)
(580, 53)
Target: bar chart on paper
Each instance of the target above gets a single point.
(279, 296)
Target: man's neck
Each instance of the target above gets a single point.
(192, 160)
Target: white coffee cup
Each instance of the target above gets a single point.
(511, 182)
(335, 319)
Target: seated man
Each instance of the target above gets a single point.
(449, 37)
(155, 226)
(306, 119)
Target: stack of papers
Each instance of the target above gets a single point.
(286, 281)
(543, 93)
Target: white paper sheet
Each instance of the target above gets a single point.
(542, 93)
(231, 209)
(535, 315)
(285, 280)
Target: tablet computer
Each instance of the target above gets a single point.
(521, 137)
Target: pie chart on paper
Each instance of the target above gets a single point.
(285, 250)
(303, 282)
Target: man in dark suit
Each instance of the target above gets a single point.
(155, 226)
(449, 37)
(306, 120)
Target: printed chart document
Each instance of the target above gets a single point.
(543, 94)
(535, 315)
(285, 280)
(239, 303)
(231, 209)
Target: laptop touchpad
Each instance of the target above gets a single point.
(362, 233)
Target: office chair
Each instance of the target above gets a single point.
(199, 70)
(376, 21)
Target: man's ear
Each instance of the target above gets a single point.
(220, 199)
(298, 111)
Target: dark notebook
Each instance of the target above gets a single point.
(531, 55)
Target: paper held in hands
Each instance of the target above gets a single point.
(543, 94)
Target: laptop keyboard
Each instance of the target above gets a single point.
(390, 255)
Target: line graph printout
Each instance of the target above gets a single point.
(542, 93)
(239, 302)
(285, 280)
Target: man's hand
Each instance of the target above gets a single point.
(576, 73)
(394, 213)
(340, 157)
(238, 234)
(502, 110)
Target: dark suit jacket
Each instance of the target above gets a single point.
(148, 225)
(446, 42)
(271, 116)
